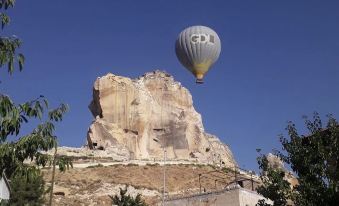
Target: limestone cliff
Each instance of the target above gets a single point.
(144, 115)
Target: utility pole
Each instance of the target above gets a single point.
(235, 174)
(164, 174)
(252, 180)
(199, 183)
(163, 144)
(163, 195)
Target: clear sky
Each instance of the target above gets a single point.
(279, 60)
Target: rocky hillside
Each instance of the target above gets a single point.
(136, 118)
(93, 185)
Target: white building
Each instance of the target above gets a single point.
(234, 196)
(4, 188)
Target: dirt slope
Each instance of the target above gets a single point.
(91, 186)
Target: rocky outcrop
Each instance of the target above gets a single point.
(276, 163)
(147, 114)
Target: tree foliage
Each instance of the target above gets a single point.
(9, 45)
(275, 186)
(4, 202)
(15, 147)
(127, 200)
(27, 191)
(314, 159)
(29, 146)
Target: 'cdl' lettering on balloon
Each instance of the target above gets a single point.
(202, 38)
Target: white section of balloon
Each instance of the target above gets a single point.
(198, 48)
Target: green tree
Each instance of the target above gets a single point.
(127, 200)
(15, 148)
(275, 186)
(27, 191)
(314, 159)
(9, 45)
(4, 202)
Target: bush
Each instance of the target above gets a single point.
(27, 190)
(127, 200)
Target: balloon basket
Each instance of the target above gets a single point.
(199, 81)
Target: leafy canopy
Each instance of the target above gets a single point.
(15, 147)
(9, 45)
(27, 192)
(313, 158)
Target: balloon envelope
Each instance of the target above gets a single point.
(197, 48)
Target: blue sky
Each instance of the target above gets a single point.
(279, 60)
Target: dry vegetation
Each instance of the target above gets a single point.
(91, 186)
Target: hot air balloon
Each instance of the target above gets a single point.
(197, 48)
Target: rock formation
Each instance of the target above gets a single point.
(276, 163)
(147, 114)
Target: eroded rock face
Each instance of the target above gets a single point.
(276, 163)
(146, 114)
